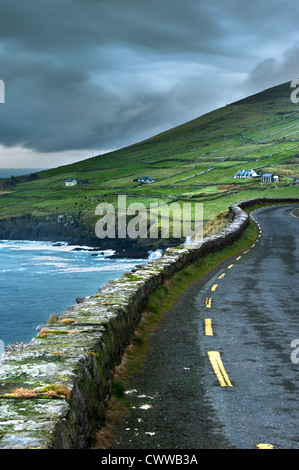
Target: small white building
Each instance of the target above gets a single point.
(70, 182)
(246, 174)
(146, 179)
(267, 178)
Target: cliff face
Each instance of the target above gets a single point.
(73, 230)
(56, 228)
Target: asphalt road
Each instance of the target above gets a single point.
(222, 372)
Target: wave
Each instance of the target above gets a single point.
(85, 269)
(42, 245)
(11, 270)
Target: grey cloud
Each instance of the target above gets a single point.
(85, 74)
(275, 71)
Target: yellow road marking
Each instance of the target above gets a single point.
(230, 266)
(208, 327)
(265, 446)
(214, 287)
(239, 257)
(208, 302)
(221, 276)
(219, 369)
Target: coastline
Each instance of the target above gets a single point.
(70, 229)
(39, 278)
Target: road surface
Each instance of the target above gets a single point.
(222, 372)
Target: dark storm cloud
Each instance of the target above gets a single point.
(275, 70)
(92, 74)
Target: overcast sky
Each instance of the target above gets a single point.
(88, 76)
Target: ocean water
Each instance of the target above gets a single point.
(8, 172)
(38, 279)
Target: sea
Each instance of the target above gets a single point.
(40, 278)
(8, 172)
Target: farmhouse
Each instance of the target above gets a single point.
(267, 178)
(70, 182)
(146, 179)
(246, 174)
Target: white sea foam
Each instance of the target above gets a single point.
(44, 245)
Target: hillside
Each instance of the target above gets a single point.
(194, 162)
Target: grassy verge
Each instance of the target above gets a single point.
(159, 302)
(266, 204)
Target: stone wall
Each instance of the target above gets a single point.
(54, 389)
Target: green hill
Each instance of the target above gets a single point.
(194, 162)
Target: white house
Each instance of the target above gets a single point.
(70, 182)
(246, 174)
(146, 179)
(269, 178)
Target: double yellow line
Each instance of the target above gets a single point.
(219, 369)
(214, 356)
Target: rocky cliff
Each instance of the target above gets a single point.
(71, 228)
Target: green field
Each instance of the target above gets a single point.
(194, 162)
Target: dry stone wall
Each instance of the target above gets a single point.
(54, 389)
